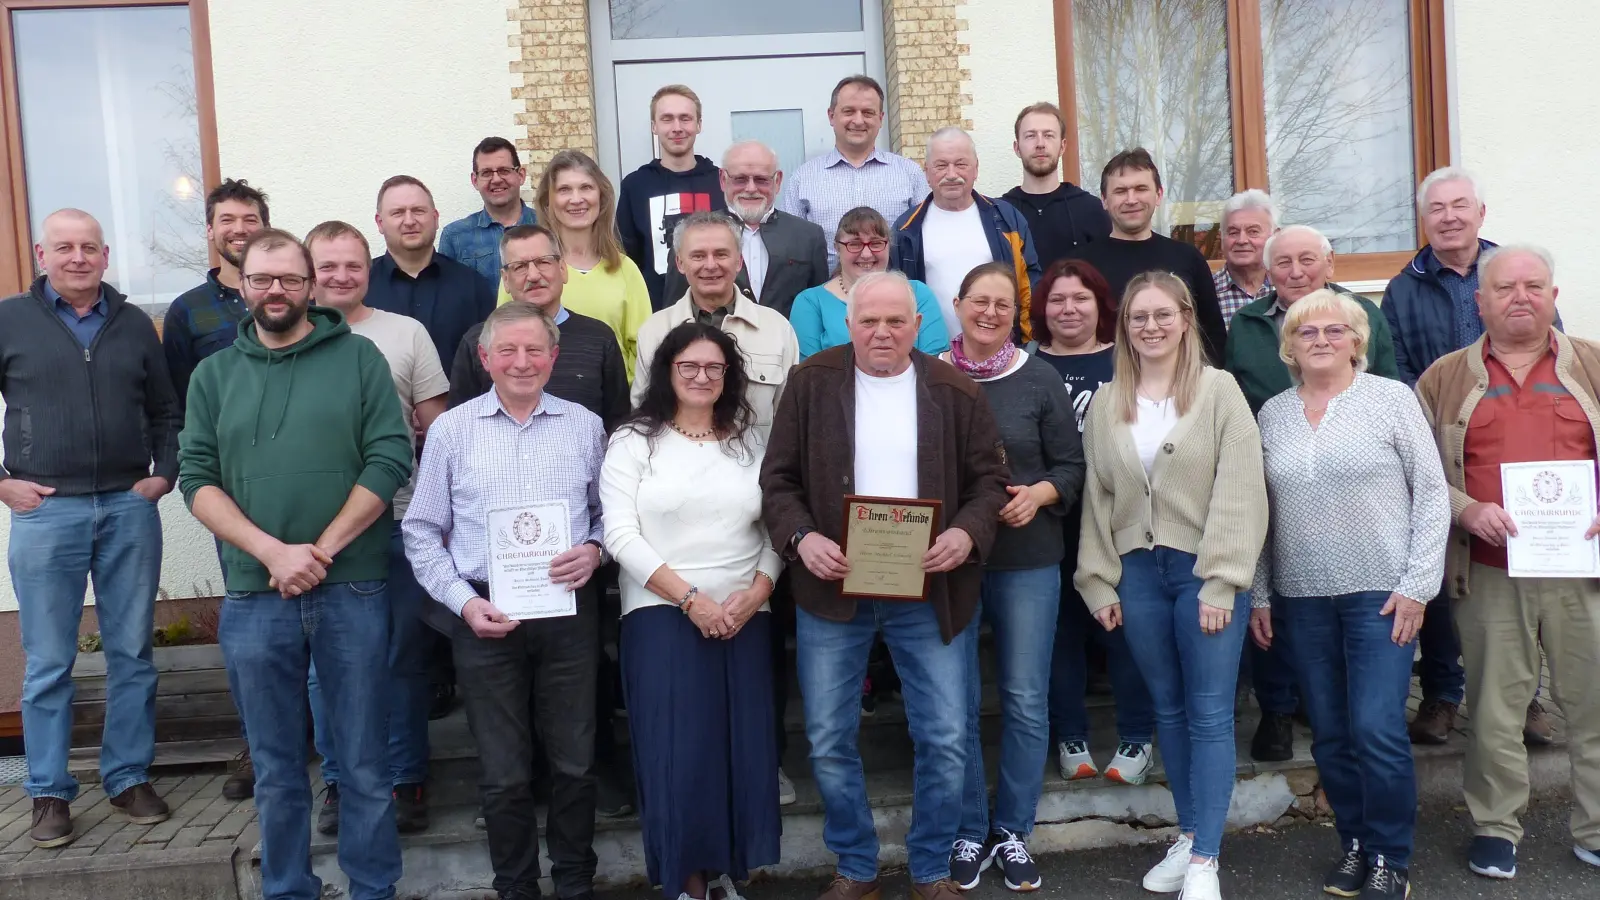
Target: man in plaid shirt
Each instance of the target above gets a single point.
(1248, 219)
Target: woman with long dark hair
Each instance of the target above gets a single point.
(682, 504)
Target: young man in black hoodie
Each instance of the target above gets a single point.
(662, 191)
(1061, 215)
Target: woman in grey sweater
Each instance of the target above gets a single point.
(1360, 512)
(1022, 574)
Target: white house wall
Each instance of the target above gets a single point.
(1012, 61)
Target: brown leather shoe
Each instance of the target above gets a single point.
(1434, 720)
(141, 804)
(843, 888)
(241, 785)
(52, 823)
(943, 889)
(1537, 730)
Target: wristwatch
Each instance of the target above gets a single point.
(794, 542)
(602, 548)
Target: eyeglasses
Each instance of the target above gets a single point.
(289, 282)
(877, 245)
(689, 371)
(760, 181)
(1308, 333)
(1000, 307)
(1163, 317)
(502, 173)
(520, 266)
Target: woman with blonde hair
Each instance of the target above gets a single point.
(576, 201)
(1174, 517)
(1360, 517)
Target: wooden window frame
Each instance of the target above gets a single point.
(16, 250)
(1246, 97)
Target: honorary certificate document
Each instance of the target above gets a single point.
(885, 539)
(522, 541)
(1553, 504)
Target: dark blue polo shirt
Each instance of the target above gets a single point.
(446, 297)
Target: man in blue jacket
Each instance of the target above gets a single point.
(956, 229)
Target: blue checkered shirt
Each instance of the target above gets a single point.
(826, 187)
(1463, 290)
(1231, 297)
(476, 459)
(475, 241)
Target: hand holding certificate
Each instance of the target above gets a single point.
(1553, 506)
(523, 541)
(887, 541)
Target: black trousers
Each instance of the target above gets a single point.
(550, 665)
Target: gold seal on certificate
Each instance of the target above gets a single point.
(885, 539)
(522, 541)
(1552, 504)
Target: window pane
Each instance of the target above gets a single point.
(784, 130)
(1154, 73)
(109, 126)
(712, 18)
(1339, 127)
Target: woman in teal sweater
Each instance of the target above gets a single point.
(818, 315)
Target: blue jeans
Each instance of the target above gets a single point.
(408, 693)
(269, 644)
(1272, 671)
(1020, 606)
(1355, 681)
(832, 661)
(1069, 672)
(1441, 674)
(114, 537)
(1191, 676)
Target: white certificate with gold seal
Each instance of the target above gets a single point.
(1553, 504)
(522, 541)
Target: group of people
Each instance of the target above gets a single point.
(687, 380)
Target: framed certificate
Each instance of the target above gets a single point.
(885, 539)
(1552, 504)
(522, 541)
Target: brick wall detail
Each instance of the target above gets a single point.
(557, 90)
(928, 88)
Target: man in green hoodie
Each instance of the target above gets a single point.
(292, 449)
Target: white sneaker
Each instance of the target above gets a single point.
(786, 794)
(1131, 764)
(1201, 882)
(1169, 875)
(725, 884)
(1075, 762)
(1589, 856)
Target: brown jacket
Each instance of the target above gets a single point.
(810, 466)
(1450, 391)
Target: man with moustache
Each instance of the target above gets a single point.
(782, 254)
(293, 446)
(1061, 215)
(497, 175)
(958, 229)
(341, 261)
(656, 195)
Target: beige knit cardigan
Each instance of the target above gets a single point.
(1206, 494)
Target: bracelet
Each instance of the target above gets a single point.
(687, 600)
(771, 585)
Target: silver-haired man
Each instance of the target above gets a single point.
(1248, 219)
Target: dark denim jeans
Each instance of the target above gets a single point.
(269, 644)
(1020, 606)
(1069, 672)
(551, 664)
(832, 661)
(1355, 681)
(1191, 676)
(1441, 673)
(55, 549)
(1272, 671)
(408, 692)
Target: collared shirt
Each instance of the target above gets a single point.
(753, 247)
(714, 317)
(200, 322)
(474, 241)
(827, 186)
(1463, 290)
(1232, 297)
(84, 327)
(446, 297)
(477, 459)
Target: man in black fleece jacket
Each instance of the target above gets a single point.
(89, 408)
(1061, 215)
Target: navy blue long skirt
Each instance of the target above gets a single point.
(704, 750)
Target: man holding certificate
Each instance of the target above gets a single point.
(1516, 418)
(885, 478)
(504, 530)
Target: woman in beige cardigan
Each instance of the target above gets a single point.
(1175, 513)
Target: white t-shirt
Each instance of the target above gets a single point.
(886, 429)
(414, 365)
(1151, 428)
(953, 244)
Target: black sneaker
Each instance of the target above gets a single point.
(1492, 857)
(1383, 881)
(612, 798)
(869, 704)
(442, 701)
(1347, 877)
(410, 809)
(967, 863)
(328, 815)
(1274, 740)
(1010, 855)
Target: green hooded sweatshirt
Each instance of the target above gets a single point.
(288, 433)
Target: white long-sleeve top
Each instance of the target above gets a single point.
(693, 507)
(1359, 503)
